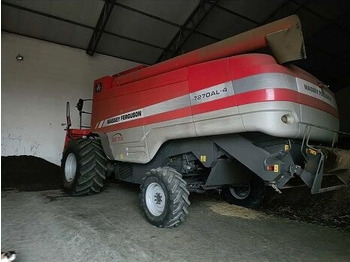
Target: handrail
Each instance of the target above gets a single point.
(325, 128)
(307, 133)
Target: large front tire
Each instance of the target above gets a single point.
(250, 195)
(164, 197)
(83, 167)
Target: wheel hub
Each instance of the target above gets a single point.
(158, 198)
(70, 167)
(240, 192)
(155, 199)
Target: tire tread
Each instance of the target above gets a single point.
(92, 166)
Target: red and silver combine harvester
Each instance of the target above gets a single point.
(220, 117)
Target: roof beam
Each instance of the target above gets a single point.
(100, 26)
(189, 27)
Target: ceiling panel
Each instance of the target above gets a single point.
(82, 11)
(329, 9)
(197, 41)
(344, 21)
(287, 9)
(138, 26)
(256, 10)
(175, 11)
(311, 24)
(72, 35)
(37, 26)
(334, 40)
(23, 22)
(128, 50)
(222, 24)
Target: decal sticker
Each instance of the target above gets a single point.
(117, 138)
(212, 93)
(122, 118)
(209, 94)
(98, 87)
(310, 89)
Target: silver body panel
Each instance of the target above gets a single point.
(140, 144)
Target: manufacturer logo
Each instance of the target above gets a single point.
(98, 87)
(117, 138)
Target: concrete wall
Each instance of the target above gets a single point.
(35, 91)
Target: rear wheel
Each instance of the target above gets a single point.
(250, 195)
(164, 197)
(83, 167)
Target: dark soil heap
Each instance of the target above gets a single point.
(29, 173)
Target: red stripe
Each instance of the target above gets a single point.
(319, 104)
(263, 95)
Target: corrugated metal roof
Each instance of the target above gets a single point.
(146, 31)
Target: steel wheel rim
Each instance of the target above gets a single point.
(240, 192)
(70, 167)
(155, 199)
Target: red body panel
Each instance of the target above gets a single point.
(115, 99)
(73, 134)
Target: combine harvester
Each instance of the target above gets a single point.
(219, 117)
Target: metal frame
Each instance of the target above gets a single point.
(100, 26)
(82, 112)
(314, 181)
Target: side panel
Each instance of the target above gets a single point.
(213, 101)
(248, 93)
(137, 124)
(129, 145)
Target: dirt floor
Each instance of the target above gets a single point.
(332, 209)
(51, 226)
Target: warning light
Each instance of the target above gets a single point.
(274, 168)
(269, 168)
(312, 152)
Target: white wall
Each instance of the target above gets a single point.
(35, 91)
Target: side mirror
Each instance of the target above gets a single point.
(80, 104)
